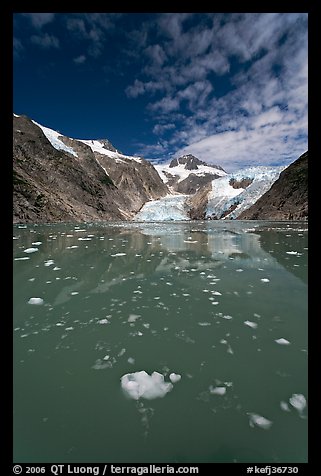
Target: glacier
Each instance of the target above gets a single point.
(223, 197)
(171, 207)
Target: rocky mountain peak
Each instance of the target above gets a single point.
(108, 145)
(190, 161)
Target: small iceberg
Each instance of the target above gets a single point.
(35, 300)
(282, 341)
(260, 421)
(298, 402)
(142, 385)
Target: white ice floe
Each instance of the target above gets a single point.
(174, 377)
(30, 250)
(35, 300)
(227, 317)
(217, 390)
(204, 324)
(292, 252)
(284, 406)
(251, 324)
(37, 243)
(49, 262)
(298, 402)
(103, 321)
(118, 254)
(259, 421)
(141, 385)
(265, 280)
(22, 259)
(282, 341)
(131, 360)
(133, 317)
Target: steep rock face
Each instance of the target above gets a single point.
(61, 179)
(287, 199)
(197, 203)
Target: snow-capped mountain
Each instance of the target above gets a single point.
(187, 174)
(58, 178)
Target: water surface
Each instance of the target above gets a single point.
(223, 304)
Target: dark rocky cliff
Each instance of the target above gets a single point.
(287, 199)
(51, 185)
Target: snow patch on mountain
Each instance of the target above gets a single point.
(183, 172)
(225, 201)
(98, 146)
(53, 137)
(171, 207)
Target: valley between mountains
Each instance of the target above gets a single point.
(61, 179)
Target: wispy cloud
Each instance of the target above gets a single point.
(92, 27)
(236, 83)
(17, 47)
(45, 41)
(38, 20)
(80, 59)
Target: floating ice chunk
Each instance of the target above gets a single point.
(174, 377)
(298, 401)
(131, 360)
(141, 385)
(292, 252)
(84, 239)
(74, 292)
(251, 324)
(282, 341)
(56, 268)
(49, 262)
(103, 321)
(37, 243)
(22, 259)
(239, 270)
(217, 390)
(227, 317)
(30, 250)
(133, 317)
(121, 352)
(106, 357)
(259, 421)
(118, 254)
(216, 293)
(284, 406)
(265, 280)
(69, 329)
(35, 300)
(203, 324)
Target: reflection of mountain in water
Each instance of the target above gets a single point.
(94, 258)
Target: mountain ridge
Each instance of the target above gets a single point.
(58, 178)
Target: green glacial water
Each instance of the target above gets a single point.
(223, 304)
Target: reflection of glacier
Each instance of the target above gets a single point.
(218, 242)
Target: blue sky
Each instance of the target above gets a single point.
(229, 88)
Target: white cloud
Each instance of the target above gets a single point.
(165, 105)
(45, 41)
(159, 129)
(38, 20)
(17, 46)
(80, 59)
